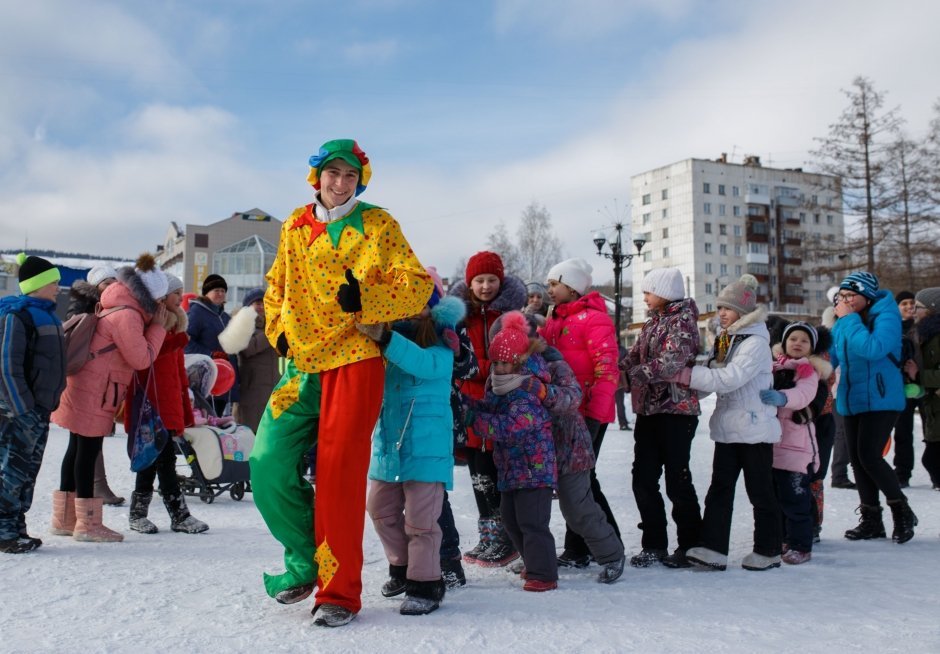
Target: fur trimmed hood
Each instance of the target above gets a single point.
(129, 278)
(758, 315)
(84, 292)
(237, 334)
(512, 295)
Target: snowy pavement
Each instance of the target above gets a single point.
(203, 593)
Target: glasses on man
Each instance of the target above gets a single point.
(846, 297)
(919, 307)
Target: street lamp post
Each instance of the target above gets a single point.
(621, 260)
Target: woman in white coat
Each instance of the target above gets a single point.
(744, 429)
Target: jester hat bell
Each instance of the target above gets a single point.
(347, 150)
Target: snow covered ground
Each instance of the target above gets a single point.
(203, 593)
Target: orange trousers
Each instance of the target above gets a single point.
(351, 399)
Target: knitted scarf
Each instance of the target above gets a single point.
(503, 384)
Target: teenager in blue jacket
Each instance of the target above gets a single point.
(867, 348)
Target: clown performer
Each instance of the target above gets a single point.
(339, 262)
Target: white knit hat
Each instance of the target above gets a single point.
(100, 273)
(664, 282)
(575, 273)
(155, 281)
(173, 283)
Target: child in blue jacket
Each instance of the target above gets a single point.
(32, 377)
(412, 450)
(512, 415)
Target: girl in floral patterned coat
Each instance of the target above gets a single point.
(511, 414)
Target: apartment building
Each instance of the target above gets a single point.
(716, 220)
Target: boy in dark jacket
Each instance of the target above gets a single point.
(32, 377)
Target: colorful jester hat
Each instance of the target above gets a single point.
(347, 150)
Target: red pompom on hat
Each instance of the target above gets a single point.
(485, 263)
(511, 344)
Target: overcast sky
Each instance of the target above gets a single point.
(117, 117)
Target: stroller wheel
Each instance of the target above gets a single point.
(207, 496)
(237, 491)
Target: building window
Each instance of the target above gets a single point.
(737, 230)
(708, 228)
(648, 256)
(708, 307)
(816, 219)
(737, 271)
(723, 250)
(723, 270)
(708, 288)
(828, 218)
(708, 248)
(665, 194)
(737, 250)
(708, 267)
(721, 210)
(665, 252)
(646, 199)
(201, 240)
(722, 229)
(665, 232)
(736, 210)
(708, 208)
(706, 187)
(735, 191)
(721, 189)
(646, 219)
(665, 213)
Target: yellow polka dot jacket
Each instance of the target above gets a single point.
(311, 263)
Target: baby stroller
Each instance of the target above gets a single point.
(216, 449)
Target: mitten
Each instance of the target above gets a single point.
(772, 397)
(349, 295)
(451, 340)
(377, 333)
(219, 354)
(534, 385)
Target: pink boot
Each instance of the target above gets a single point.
(88, 525)
(63, 513)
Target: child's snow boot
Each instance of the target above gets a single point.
(501, 551)
(647, 557)
(611, 571)
(708, 558)
(140, 505)
(486, 527)
(180, 519)
(88, 527)
(758, 562)
(422, 597)
(870, 525)
(904, 520)
(452, 573)
(397, 578)
(63, 513)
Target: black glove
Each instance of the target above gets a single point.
(282, 346)
(348, 296)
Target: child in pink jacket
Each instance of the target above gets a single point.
(796, 457)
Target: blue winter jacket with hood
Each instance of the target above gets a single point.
(868, 353)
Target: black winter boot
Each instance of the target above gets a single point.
(422, 597)
(397, 575)
(180, 519)
(452, 573)
(501, 551)
(904, 521)
(140, 506)
(870, 525)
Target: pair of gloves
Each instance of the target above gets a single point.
(773, 397)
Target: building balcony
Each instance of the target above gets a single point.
(757, 198)
(789, 201)
(757, 257)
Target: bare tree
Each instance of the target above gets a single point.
(538, 246)
(500, 243)
(855, 151)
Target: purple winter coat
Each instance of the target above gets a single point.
(667, 343)
(521, 430)
(573, 449)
